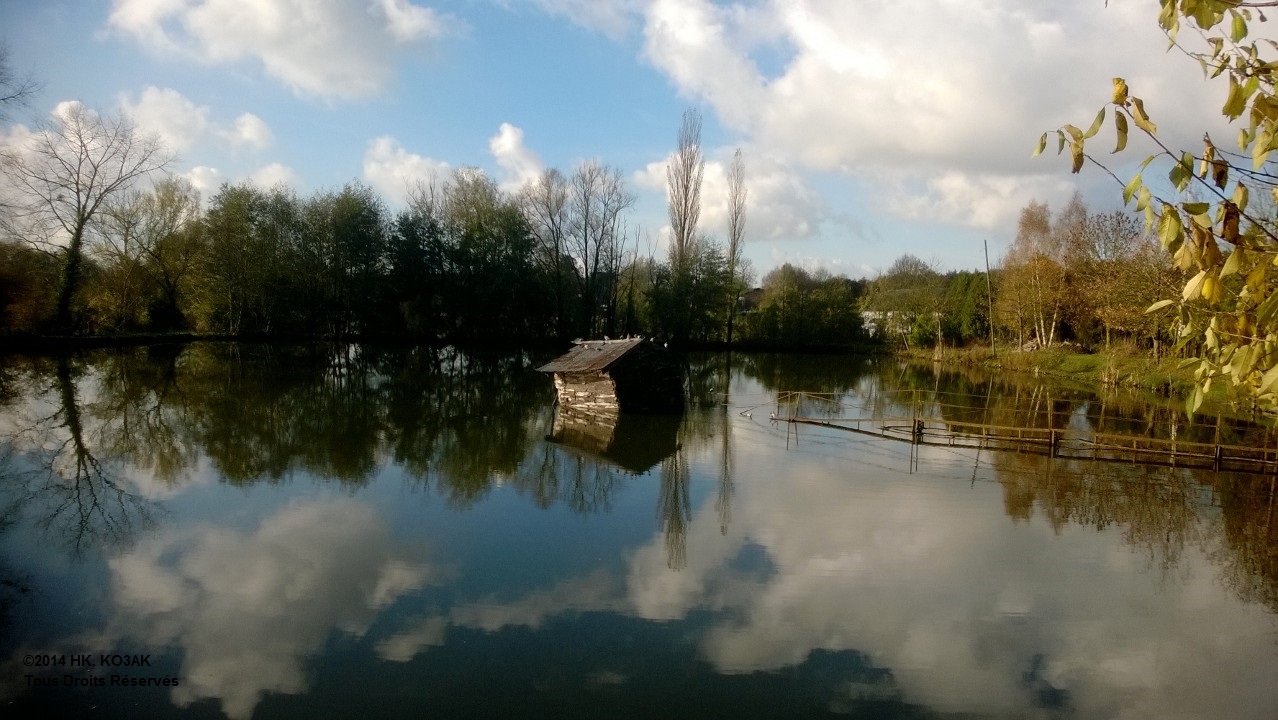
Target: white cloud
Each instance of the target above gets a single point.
(178, 122)
(780, 205)
(394, 172)
(204, 179)
(946, 99)
(613, 18)
(518, 164)
(181, 124)
(976, 200)
(249, 608)
(321, 48)
(406, 21)
(268, 176)
(249, 131)
(693, 43)
(65, 111)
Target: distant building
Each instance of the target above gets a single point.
(608, 377)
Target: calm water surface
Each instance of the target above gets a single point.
(286, 532)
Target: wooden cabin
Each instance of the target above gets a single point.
(608, 377)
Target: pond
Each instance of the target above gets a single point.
(266, 531)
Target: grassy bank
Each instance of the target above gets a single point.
(1121, 367)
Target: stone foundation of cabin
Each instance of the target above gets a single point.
(593, 393)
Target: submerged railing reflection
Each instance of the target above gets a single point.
(1163, 506)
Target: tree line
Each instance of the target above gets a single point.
(99, 239)
(1073, 275)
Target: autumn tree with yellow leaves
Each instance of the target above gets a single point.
(1227, 312)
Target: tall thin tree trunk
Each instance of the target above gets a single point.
(70, 279)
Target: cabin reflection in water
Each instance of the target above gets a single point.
(631, 442)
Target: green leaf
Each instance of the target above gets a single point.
(1239, 29)
(1196, 208)
(1182, 172)
(1194, 401)
(1130, 188)
(1265, 311)
(1096, 124)
(1236, 102)
(1169, 227)
(1249, 354)
(1159, 305)
(1178, 177)
(1042, 144)
(1120, 128)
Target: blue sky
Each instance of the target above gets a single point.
(870, 128)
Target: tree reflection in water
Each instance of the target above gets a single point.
(76, 496)
(90, 438)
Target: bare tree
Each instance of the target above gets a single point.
(597, 197)
(683, 182)
(65, 175)
(544, 202)
(736, 232)
(14, 91)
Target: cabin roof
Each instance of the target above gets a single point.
(592, 355)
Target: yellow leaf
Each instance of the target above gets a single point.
(1042, 143)
(1120, 127)
(1140, 118)
(1194, 288)
(1234, 263)
(1209, 154)
(1241, 196)
(1120, 91)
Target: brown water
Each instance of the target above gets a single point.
(287, 532)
